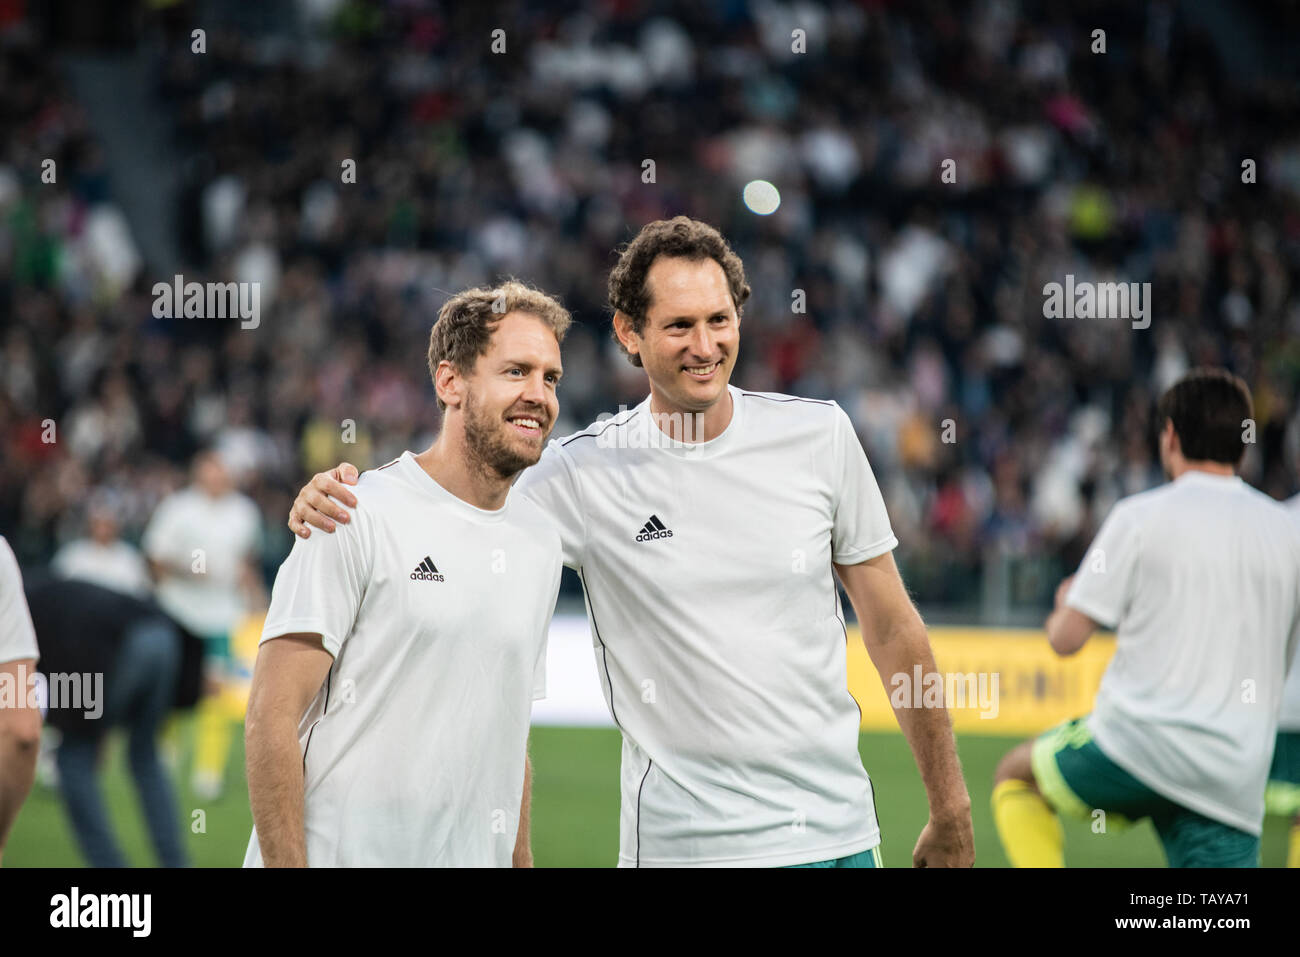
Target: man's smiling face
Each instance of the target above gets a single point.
(510, 402)
(691, 336)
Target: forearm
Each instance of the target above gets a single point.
(1052, 627)
(1068, 630)
(523, 855)
(928, 729)
(17, 771)
(275, 790)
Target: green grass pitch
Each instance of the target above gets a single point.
(575, 810)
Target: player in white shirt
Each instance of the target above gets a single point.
(20, 724)
(704, 525)
(1282, 796)
(202, 545)
(102, 558)
(1201, 580)
(388, 719)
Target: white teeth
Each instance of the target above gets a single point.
(702, 370)
(527, 423)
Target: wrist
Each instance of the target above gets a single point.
(954, 807)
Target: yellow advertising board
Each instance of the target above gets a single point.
(994, 680)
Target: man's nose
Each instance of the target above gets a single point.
(702, 341)
(535, 388)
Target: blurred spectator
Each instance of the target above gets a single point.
(102, 558)
(128, 657)
(202, 545)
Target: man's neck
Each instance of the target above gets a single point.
(1210, 468)
(449, 464)
(692, 427)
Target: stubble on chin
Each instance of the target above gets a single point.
(488, 447)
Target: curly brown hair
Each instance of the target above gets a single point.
(467, 320)
(680, 236)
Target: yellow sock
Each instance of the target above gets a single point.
(213, 731)
(1293, 848)
(1030, 831)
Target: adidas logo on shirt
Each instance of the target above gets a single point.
(653, 529)
(426, 571)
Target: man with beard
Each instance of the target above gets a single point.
(707, 526)
(388, 718)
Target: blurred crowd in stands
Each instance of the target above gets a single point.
(992, 429)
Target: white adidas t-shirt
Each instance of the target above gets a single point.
(436, 613)
(17, 635)
(1201, 579)
(717, 628)
(226, 531)
(1289, 719)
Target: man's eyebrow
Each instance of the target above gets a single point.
(529, 364)
(721, 311)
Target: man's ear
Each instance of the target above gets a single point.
(623, 329)
(449, 384)
(1170, 437)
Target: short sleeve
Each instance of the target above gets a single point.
(319, 587)
(553, 485)
(861, 529)
(17, 634)
(1106, 581)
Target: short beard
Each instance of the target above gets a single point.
(487, 449)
